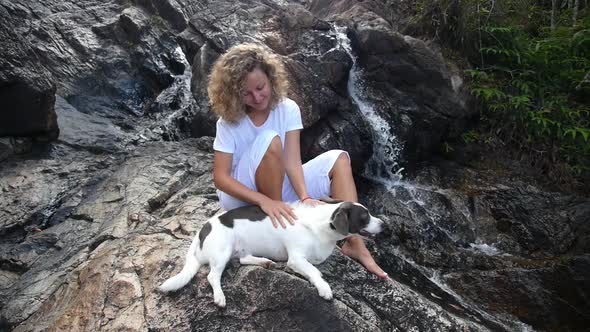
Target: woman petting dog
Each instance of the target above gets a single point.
(257, 143)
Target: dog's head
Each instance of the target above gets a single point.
(354, 219)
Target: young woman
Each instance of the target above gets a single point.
(257, 144)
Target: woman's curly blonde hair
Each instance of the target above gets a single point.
(228, 76)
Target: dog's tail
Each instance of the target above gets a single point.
(191, 266)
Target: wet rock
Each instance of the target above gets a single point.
(552, 295)
(314, 100)
(410, 80)
(203, 122)
(501, 245)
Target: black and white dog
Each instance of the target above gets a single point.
(248, 233)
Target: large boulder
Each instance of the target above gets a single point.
(410, 81)
(407, 80)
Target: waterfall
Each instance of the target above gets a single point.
(175, 104)
(383, 166)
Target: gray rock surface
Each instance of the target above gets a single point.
(27, 93)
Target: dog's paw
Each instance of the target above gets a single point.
(219, 299)
(324, 290)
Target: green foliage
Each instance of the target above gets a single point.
(532, 79)
(536, 86)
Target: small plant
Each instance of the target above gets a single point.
(471, 136)
(447, 148)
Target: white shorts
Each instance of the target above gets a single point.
(316, 172)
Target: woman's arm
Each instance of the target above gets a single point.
(223, 181)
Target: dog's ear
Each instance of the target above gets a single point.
(340, 218)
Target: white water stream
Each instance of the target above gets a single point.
(383, 166)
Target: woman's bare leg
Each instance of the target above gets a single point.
(271, 171)
(343, 188)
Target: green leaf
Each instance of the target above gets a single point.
(570, 131)
(584, 132)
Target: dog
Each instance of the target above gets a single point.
(247, 233)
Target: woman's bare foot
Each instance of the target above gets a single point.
(355, 248)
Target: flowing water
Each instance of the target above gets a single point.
(176, 102)
(383, 166)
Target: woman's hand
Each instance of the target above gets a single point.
(312, 202)
(277, 211)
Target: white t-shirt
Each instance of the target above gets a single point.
(237, 138)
